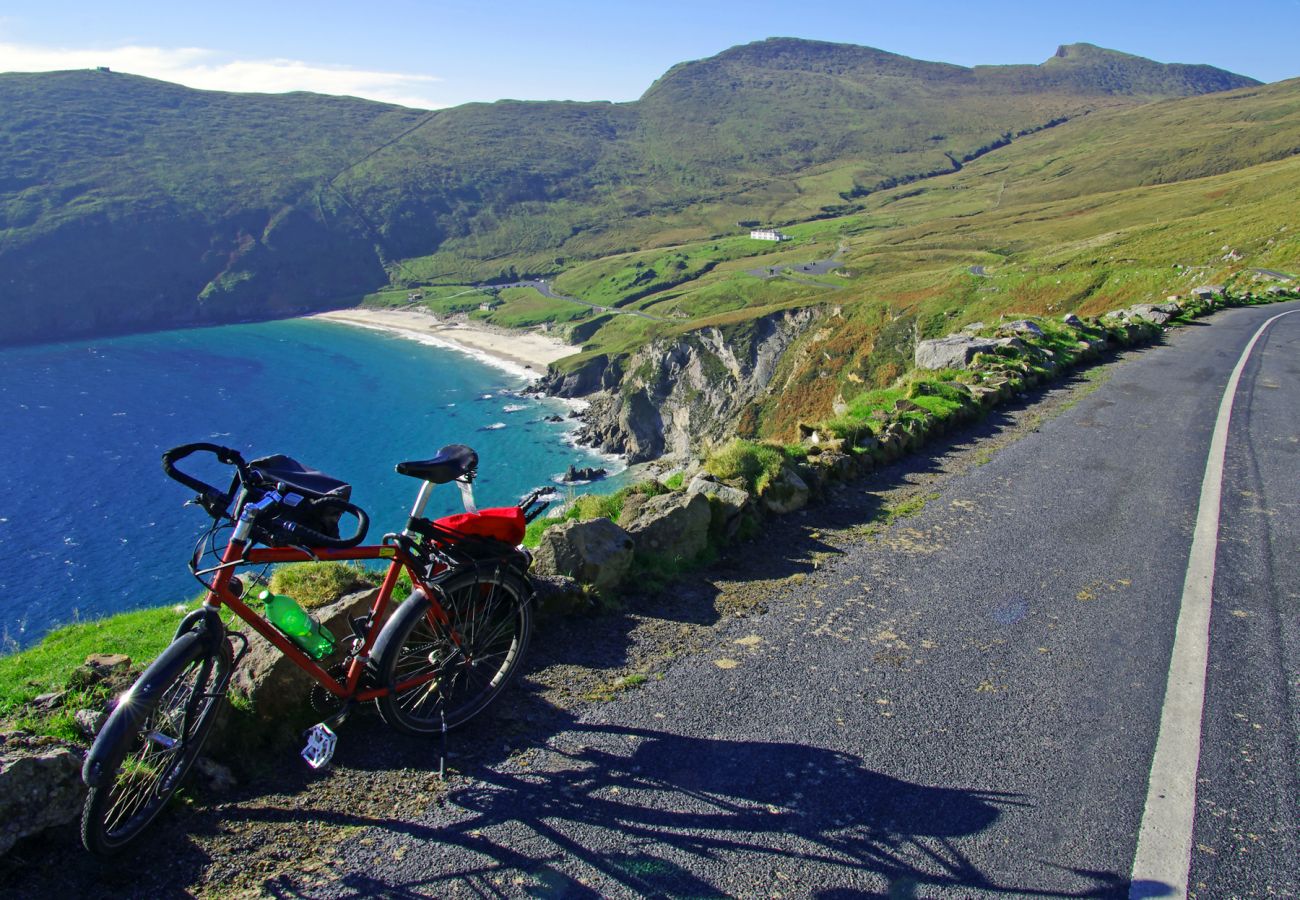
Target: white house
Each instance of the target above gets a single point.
(768, 234)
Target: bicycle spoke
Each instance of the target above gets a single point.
(459, 667)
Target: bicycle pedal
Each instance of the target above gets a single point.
(321, 742)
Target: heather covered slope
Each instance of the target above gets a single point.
(1115, 208)
(128, 204)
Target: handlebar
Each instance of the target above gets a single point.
(297, 533)
(225, 455)
(217, 502)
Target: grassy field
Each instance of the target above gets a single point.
(1059, 221)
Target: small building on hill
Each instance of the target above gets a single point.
(768, 234)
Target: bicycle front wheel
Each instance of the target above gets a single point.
(150, 741)
(439, 674)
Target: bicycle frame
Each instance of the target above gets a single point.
(238, 553)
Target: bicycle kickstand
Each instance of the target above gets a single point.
(321, 739)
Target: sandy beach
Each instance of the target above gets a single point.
(523, 352)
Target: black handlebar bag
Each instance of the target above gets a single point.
(312, 485)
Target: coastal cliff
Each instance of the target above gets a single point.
(679, 395)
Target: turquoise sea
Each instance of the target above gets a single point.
(90, 525)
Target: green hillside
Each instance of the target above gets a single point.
(1115, 208)
(128, 204)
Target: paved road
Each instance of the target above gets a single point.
(544, 289)
(964, 704)
(795, 271)
(1273, 273)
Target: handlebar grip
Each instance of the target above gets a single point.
(225, 455)
(313, 538)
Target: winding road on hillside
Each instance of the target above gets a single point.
(965, 703)
(545, 290)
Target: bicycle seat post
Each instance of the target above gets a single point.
(421, 501)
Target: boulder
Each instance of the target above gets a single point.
(672, 526)
(1011, 343)
(787, 493)
(89, 721)
(595, 552)
(866, 441)
(985, 395)
(559, 595)
(1020, 326)
(668, 475)
(632, 504)
(1072, 320)
(277, 687)
(1150, 312)
(837, 465)
(732, 500)
(956, 351)
(813, 476)
(100, 667)
(39, 788)
(726, 502)
(832, 445)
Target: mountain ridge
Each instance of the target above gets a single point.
(129, 204)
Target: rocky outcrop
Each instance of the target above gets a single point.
(595, 552)
(671, 526)
(956, 351)
(679, 396)
(39, 788)
(730, 501)
(787, 493)
(558, 595)
(591, 375)
(1157, 313)
(278, 688)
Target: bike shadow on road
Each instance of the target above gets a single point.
(610, 810)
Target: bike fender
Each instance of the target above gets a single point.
(126, 714)
(414, 605)
(206, 622)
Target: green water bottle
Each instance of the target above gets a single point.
(298, 625)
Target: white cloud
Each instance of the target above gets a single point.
(208, 70)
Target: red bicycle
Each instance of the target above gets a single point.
(430, 663)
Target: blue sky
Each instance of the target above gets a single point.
(433, 54)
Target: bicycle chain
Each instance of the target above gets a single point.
(322, 701)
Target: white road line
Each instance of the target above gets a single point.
(1164, 849)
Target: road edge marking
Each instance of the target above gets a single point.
(1164, 849)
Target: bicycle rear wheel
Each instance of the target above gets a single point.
(453, 678)
(151, 739)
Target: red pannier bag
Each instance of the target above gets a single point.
(504, 523)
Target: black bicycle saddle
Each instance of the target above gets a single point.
(453, 461)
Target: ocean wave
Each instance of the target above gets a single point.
(514, 407)
(495, 426)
